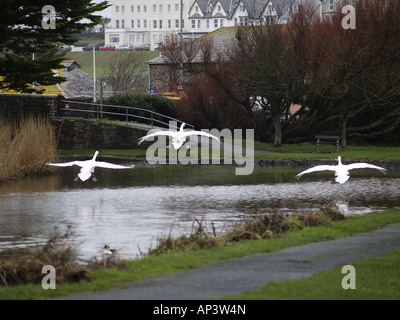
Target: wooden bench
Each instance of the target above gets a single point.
(327, 140)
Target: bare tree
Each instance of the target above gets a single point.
(126, 72)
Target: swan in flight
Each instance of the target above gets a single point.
(341, 170)
(178, 137)
(87, 167)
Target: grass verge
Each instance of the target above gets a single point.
(376, 278)
(102, 279)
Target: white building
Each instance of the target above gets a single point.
(142, 22)
(154, 22)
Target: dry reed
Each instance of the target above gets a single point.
(25, 147)
(253, 227)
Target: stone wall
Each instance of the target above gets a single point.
(92, 134)
(160, 77)
(14, 105)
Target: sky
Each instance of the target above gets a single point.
(104, 13)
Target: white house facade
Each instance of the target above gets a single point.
(144, 22)
(155, 22)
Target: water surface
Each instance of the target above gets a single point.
(129, 209)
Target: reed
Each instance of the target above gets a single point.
(25, 147)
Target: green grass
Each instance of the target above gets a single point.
(376, 278)
(308, 151)
(178, 261)
(129, 153)
(85, 59)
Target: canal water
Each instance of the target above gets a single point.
(130, 209)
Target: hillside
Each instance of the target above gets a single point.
(85, 59)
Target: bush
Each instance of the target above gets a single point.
(149, 102)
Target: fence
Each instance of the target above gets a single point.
(70, 108)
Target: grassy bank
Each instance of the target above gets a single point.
(376, 278)
(303, 151)
(25, 148)
(181, 261)
(85, 59)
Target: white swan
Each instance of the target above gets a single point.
(87, 166)
(341, 170)
(178, 137)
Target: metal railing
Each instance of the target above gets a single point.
(150, 118)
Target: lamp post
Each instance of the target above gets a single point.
(94, 74)
(181, 45)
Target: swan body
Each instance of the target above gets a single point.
(341, 170)
(178, 137)
(88, 166)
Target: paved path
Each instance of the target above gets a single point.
(248, 273)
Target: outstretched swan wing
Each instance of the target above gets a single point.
(67, 164)
(158, 133)
(200, 133)
(317, 168)
(102, 164)
(362, 165)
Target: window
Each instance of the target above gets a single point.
(169, 8)
(117, 24)
(215, 23)
(176, 7)
(330, 5)
(193, 24)
(169, 24)
(132, 9)
(122, 9)
(221, 22)
(138, 9)
(196, 9)
(114, 38)
(208, 23)
(241, 8)
(144, 8)
(132, 24)
(160, 24)
(154, 24)
(138, 23)
(122, 23)
(176, 23)
(116, 9)
(199, 24)
(154, 8)
(160, 8)
(145, 23)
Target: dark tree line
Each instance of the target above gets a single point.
(346, 81)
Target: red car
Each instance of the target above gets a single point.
(142, 47)
(108, 47)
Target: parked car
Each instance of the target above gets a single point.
(90, 47)
(65, 48)
(108, 47)
(125, 47)
(162, 48)
(142, 47)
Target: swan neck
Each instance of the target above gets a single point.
(95, 155)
